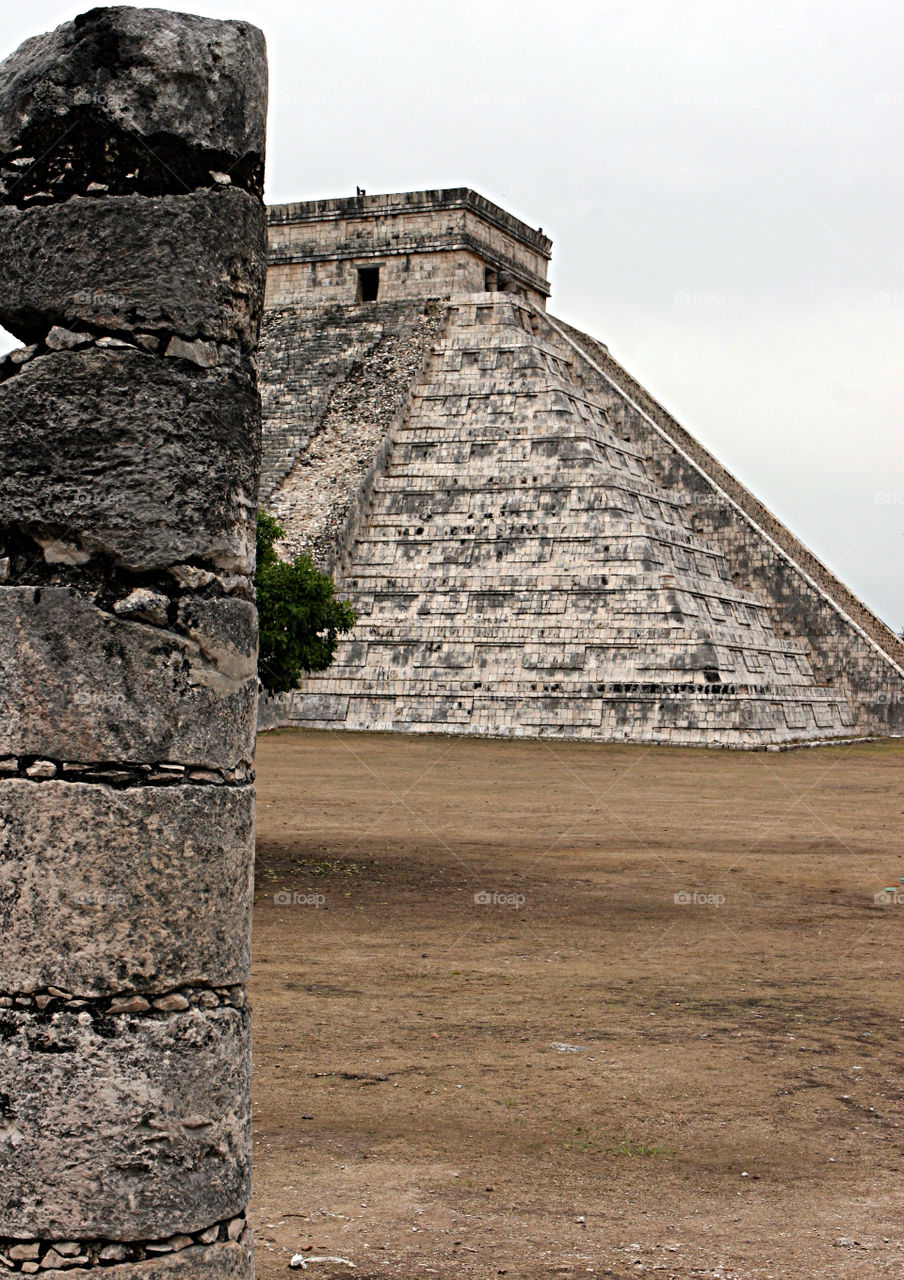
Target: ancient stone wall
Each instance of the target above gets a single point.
(337, 380)
(426, 244)
(758, 514)
(851, 649)
(532, 556)
(132, 262)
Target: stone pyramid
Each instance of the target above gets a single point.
(533, 546)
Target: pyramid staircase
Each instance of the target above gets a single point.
(519, 569)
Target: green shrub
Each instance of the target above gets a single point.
(300, 619)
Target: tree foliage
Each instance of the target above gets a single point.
(300, 619)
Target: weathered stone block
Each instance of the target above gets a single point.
(129, 1128)
(226, 632)
(82, 684)
(142, 889)
(227, 1261)
(119, 453)
(193, 90)
(193, 265)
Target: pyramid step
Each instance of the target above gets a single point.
(516, 564)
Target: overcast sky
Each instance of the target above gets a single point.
(722, 183)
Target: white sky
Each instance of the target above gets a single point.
(722, 183)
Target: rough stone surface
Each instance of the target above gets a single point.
(516, 570)
(132, 261)
(129, 1128)
(142, 889)
(204, 354)
(533, 547)
(83, 684)
(119, 453)
(424, 244)
(167, 100)
(144, 605)
(59, 339)
(191, 264)
(711, 513)
(230, 1260)
(335, 384)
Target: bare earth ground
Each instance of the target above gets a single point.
(582, 1076)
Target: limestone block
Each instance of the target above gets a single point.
(83, 684)
(324, 707)
(187, 85)
(192, 264)
(125, 1128)
(117, 452)
(141, 889)
(229, 1260)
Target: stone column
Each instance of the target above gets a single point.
(132, 264)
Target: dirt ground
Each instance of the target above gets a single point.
(489, 1040)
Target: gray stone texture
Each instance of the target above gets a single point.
(426, 244)
(191, 264)
(721, 517)
(119, 453)
(132, 245)
(229, 1260)
(125, 1128)
(148, 71)
(336, 381)
(139, 889)
(83, 684)
(530, 556)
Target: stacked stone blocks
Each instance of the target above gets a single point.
(132, 264)
(536, 557)
(330, 411)
(851, 650)
(423, 243)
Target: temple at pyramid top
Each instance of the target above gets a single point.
(413, 244)
(534, 546)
